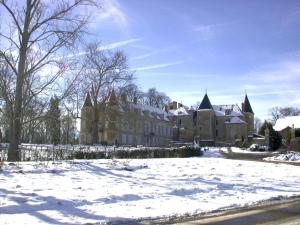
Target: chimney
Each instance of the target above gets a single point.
(175, 105)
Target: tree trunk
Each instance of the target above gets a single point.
(13, 151)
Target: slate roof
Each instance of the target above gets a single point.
(205, 104)
(87, 101)
(247, 106)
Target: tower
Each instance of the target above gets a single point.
(205, 124)
(86, 121)
(249, 115)
(112, 118)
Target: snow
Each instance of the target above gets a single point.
(179, 112)
(219, 113)
(151, 110)
(82, 191)
(212, 152)
(235, 120)
(289, 121)
(247, 151)
(288, 157)
(233, 109)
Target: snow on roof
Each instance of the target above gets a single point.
(219, 113)
(289, 121)
(152, 111)
(230, 110)
(180, 111)
(235, 119)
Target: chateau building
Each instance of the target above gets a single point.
(130, 123)
(209, 124)
(126, 123)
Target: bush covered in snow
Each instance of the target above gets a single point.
(289, 156)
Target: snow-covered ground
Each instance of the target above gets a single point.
(287, 157)
(81, 191)
(246, 151)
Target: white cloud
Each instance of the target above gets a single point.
(118, 44)
(110, 11)
(152, 53)
(207, 32)
(157, 66)
(108, 46)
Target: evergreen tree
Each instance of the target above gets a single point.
(275, 137)
(53, 121)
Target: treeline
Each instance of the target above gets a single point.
(46, 69)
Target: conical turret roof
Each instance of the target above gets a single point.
(112, 99)
(88, 101)
(247, 106)
(205, 104)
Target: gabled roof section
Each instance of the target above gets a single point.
(87, 101)
(205, 104)
(247, 107)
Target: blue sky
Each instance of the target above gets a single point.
(183, 47)
(227, 47)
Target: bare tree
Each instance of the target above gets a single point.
(156, 99)
(275, 113)
(289, 111)
(105, 70)
(132, 92)
(257, 124)
(32, 46)
(279, 112)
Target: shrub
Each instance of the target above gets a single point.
(297, 132)
(275, 137)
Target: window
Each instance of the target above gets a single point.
(216, 133)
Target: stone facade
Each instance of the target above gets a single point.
(129, 123)
(209, 124)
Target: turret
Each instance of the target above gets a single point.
(249, 115)
(87, 101)
(205, 104)
(85, 122)
(112, 99)
(205, 125)
(111, 119)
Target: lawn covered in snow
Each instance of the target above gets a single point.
(81, 191)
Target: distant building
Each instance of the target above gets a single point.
(286, 126)
(209, 124)
(130, 123)
(287, 122)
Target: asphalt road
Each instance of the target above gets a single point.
(287, 213)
